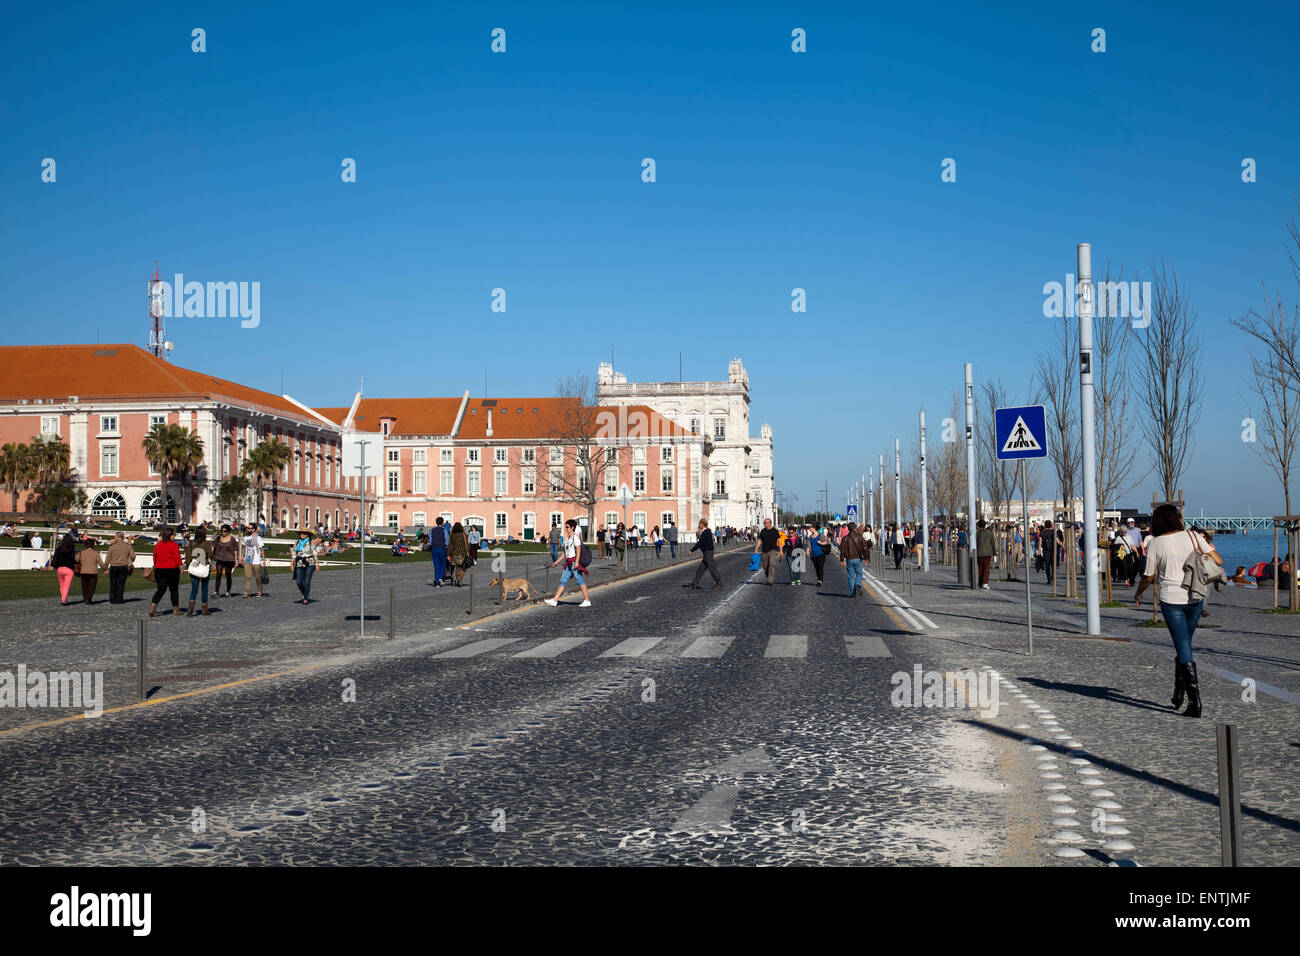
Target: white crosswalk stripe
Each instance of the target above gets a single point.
(866, 645)
(632, 647)
(708, 646)
(479, 647)
(554, 648)
(787, 645)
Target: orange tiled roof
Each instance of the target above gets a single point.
(127, 372)
(543, 418)
(414, 416)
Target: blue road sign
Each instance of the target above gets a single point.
(1021, 432)
(837, 516)
(853, 509)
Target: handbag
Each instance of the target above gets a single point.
(266, 575)
(1199, 565)
(199, 569)
(148, 574)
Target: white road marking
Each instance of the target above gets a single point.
(787, 645)
(479, 647)
(866, 645)
(632, 647)
(708, 646)
(554, 648)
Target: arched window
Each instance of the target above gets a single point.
(109, 504)
(150, 509)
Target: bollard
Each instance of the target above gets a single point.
(471, 594)
(392, 612)
(1229, 794)
(144, 647)
(501, 589)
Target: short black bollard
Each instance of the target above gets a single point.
(1229, 795)
(392, 612)
(144, 653)
(471, 594)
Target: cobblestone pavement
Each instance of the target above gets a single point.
(1112, 696)
(780, 746)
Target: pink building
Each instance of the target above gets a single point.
(516, 466)
(103, 399)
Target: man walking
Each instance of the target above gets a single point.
(670, 535)
(438, 542)
(985, 546)
(704, 544)
(121, 559)
(769, 545)
(853, 548)
(573, 566)
(553, 540)
(1047, 546)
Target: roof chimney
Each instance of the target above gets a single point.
(489, 424)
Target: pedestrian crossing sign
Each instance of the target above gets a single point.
(1021, 432)
(853, 510)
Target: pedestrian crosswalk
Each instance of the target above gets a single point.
(708, 647)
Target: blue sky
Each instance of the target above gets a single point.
(775, 170)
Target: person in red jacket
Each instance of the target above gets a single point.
(166, 571)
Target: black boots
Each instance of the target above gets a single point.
(1193, 688)
(1180, 688)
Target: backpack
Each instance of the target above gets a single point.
(584, 555)
(439, 537)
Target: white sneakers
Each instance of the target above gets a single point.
(552, 602)
(585, 604)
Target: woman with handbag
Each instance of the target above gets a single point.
(304, 564)
(64, 561)
(198, 562)
(458, 552)
(1169, 550)
(166, 571)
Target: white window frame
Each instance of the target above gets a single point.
(500, 524)
(666, 481)
(611, 520)
(556, 455)
(105, 449)
(419, 456)
(500, 456)
(473, 482)
(530, 481)
(638, 481)
(446, 456)
(638, 455)
(394, 456)
(394, 520)
(394, 481)
(639, 519)
(420, 477)
(719, 482)
(556, 478)
(108, 424)
(530, 456)
(665, 452)
(720, 429)
(49, 424)
(472, 456)
(667, 518)
(446, 481)
(501, 481)
(162, 420)
(611, 481)
(420, 519)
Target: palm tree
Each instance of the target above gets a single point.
(263, 464)
(17, 469)
(51, 459)
(186, 460)
(162, 447)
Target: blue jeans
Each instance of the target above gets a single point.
(1181, 620)
(672, 545)
(659, 547)
(195, 587)
(302, 577)
(439, 565)
(855, 574)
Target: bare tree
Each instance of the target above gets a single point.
(1274, 431)
(1057, 388)
(999, 478)
(572, 446)
(947, 471)
(1169, 398)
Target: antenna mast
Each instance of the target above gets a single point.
(157, 342)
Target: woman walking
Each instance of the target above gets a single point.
(657, 540)
(166, 571)
(198, 562)
(620, 543)
(225, 553)
(819, 548)
(304, 564)
(458, 552)
(1169, 549)
(89, 564)
(64, 562)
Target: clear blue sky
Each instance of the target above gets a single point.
(775, 170)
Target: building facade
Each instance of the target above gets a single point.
(103, 399)
(741, 489)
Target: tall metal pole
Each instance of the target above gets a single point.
(880, 477)
(898, 486)
(362, 445)
(970, 475)
(871, 497)
(862, 500)
(1089, 435)
(925, 507)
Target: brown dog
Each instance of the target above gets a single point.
(522, 585)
